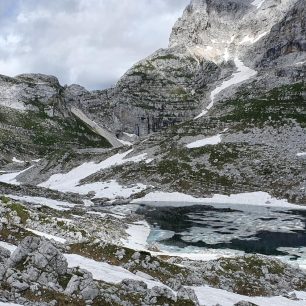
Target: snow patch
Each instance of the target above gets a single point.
(105, 272)
(213, 140)
(251, 40)
(18, 161)
(258, 3)
(10, 178)
(211, 296)
(178, 199)
(8, 246)
(301, 154)
(125, 143)
(54, 204)
(138, 234)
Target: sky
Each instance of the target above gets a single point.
(86, 42)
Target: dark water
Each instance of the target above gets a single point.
(251, 229)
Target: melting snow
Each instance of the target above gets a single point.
(54, 204)
(243, 73)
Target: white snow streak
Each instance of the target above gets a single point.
(251, 40)
(50, 237)
(243, 74)
(214, 140)
(258, 3)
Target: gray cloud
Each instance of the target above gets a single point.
(89, 42)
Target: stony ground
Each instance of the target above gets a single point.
(55, 257)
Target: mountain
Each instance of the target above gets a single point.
(217, 117)
(234, 70)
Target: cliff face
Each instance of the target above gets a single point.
(174, 84)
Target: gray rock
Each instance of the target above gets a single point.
(187, 294)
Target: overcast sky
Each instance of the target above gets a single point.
(89, 42)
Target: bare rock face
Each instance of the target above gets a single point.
(38, 261)
(29, 91)
(174, 84)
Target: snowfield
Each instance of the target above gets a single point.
(69, 182)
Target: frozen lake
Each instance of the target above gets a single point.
(240, 228)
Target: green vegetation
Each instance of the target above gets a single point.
(21, 211)
(166, 57)
(108, 251)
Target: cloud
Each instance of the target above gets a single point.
(89, 42)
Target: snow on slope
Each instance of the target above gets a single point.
(69, 182)
(10, 178)
(213, 140)
(106, 272)
(243, 74)
(54, 204)
(8, 246)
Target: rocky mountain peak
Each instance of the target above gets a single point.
(221, 30)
